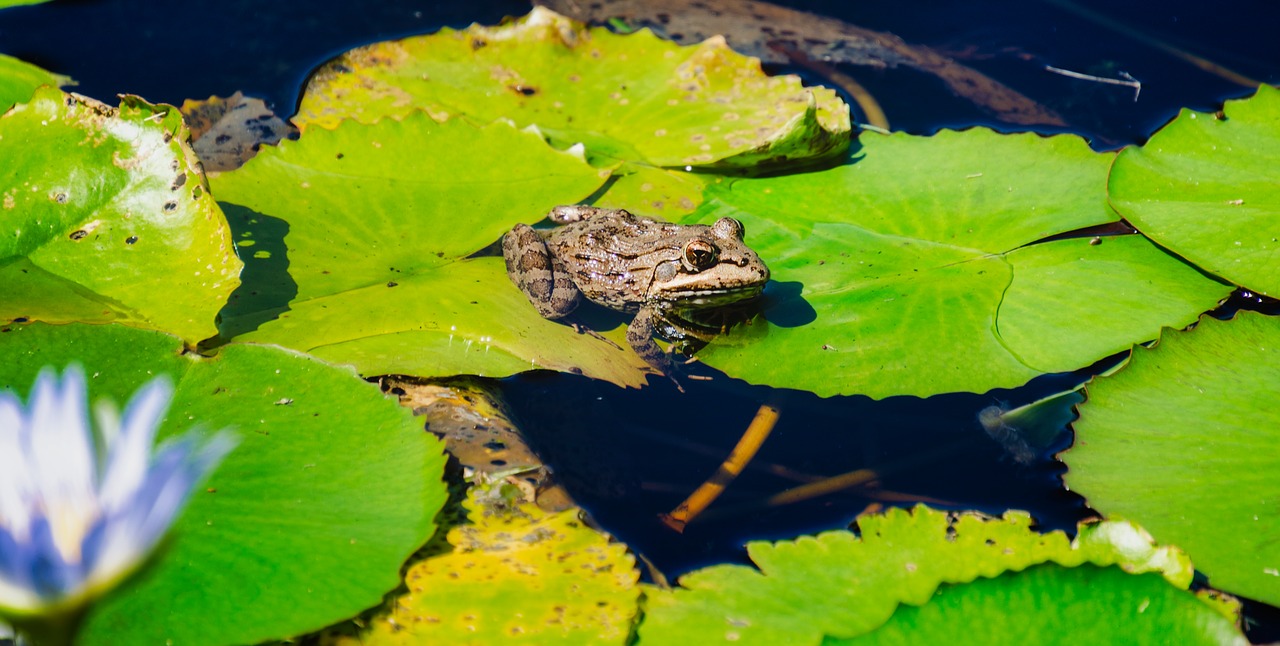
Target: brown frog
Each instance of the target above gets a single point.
(660, 271)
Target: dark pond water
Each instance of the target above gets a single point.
(630, 455)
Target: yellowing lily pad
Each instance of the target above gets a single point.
(841, 585)
(516, 574)
(357, 241)
(107, 218)
(633, 97)
(1183, 440)
(1205, 186)
(918, 268)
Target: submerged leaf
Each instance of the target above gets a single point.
(838, 584)
(1183, 440)
(1205, 187)
(225, 133)
(107, 217)
(633, 97)
(307, 522)
(918, 268)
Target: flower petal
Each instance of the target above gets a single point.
(16, 487)
(62, 456)
(127, 461)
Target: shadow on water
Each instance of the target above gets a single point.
(629, 455)
(265, 284)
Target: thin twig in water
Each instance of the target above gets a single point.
(1127, 81)
(759, 429)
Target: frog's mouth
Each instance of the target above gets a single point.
(703, 297)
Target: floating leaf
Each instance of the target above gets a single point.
(5, 4)
(1205, 187)
(633, 97)
(107, 217)
(1182, 440)
(376, 223)
(19, 80)
(307, 522)
(655, 192)
(517, 573)
(840, 585)
(916, 268)
(1048, 604)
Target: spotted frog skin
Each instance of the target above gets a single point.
(660, 271)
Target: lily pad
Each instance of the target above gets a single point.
(1048, 604)
(5, 4)
(1183, 440)
(919, 268)
(840, 585)
(307, 522)
(634, 97)
(108, 218)
(19, 80)
(1205, 187)
(359, 240)
(516, 573)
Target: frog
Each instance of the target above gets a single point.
(659, 271)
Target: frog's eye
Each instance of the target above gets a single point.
(700, 254)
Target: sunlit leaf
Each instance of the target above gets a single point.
(1048, 604)
(19, 80)
(305, 523)
(1205, 187)
(633, 97)
(915, 269)
(516, 574)
(1183, 440)
(838, 584)
(107, 217)
(356, 241)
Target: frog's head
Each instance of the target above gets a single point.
(713, 267)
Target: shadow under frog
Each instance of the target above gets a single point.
(668, 275)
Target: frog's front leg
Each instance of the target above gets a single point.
(538, 273)
(640, 338)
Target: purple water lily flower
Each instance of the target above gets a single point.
(79, 512)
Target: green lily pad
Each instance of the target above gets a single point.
(515, 572)
(633, 97)
(5, 4)
(663, 193)
(108, 218)
(359, 236)
(1205, 187)
(307, 522)
(840, 585)
(916, 268)
(1183, 440)
(1048, 604)
(19, 79)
